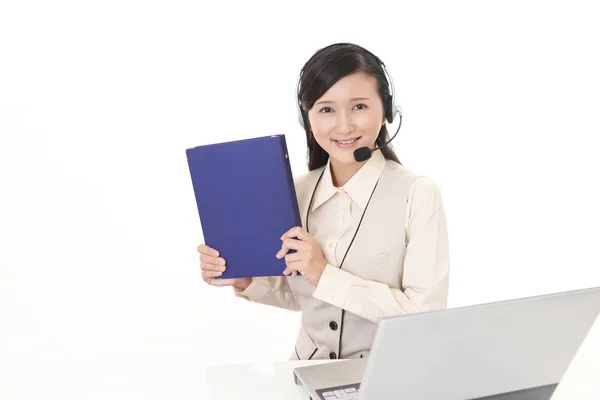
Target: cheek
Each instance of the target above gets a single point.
(322, 140)
(321, 129)
(370, 126)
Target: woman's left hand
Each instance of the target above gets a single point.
(308, 258)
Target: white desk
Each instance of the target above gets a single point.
(264, 381)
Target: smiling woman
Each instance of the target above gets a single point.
(348, 116)
(374, 239)
(345, 73)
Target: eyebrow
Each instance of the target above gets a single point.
(352, 99)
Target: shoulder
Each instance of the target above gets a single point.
(398, 171)
(421, 189)
(425, 192)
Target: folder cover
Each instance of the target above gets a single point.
(246, 200)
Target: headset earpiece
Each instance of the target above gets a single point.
(392, 111)
(303, 119)
(389, 109)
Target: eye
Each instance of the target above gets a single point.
(326, 110)
(361, 106)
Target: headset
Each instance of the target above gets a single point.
(391, 109)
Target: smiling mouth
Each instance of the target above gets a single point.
(346, 142)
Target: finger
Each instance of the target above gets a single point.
(296, 232)
(212, 267)
(293, 257)
(212, 260)
(282, 252)
(295, 267)
(294, 244)
(290, 270)
(204, 249)
(290, 244)
(210, 274)
(287, 233)
(222, 282)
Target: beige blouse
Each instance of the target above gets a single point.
(398, 262)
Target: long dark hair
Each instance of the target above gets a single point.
(321, 72)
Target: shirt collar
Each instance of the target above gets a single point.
(359, 187)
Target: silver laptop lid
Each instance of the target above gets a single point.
(481, 350)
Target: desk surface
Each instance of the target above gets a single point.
(264, 381)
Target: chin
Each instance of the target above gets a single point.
(344, 157)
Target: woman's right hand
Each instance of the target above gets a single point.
(213, 266)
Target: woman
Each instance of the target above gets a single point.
(374, 239)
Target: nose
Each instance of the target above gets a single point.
(345, 124)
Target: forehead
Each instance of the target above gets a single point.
(358, 84)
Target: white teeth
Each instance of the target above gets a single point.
(347, 142)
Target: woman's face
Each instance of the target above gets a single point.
(348, 116)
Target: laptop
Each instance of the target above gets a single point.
(512, 349)
(582, 378)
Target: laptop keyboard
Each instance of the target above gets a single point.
(346, 392)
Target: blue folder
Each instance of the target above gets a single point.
(246, 200)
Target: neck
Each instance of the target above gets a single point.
(341, 173)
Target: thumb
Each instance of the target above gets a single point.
(222, 282)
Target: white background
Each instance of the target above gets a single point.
(100, 287)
